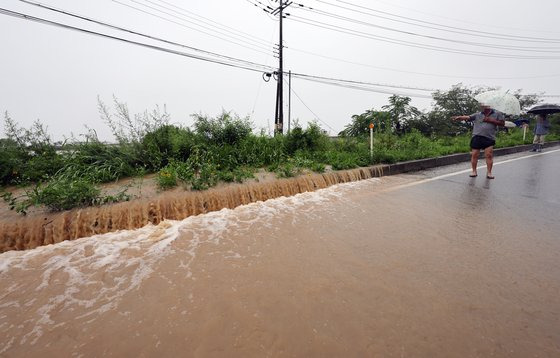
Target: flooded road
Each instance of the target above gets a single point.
(433, 264)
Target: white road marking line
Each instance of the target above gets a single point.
(468, 170)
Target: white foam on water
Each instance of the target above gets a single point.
(78, 264)
(117, 263)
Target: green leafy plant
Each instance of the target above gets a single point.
(317, 167)
(287, 170)
(62, 194)
(167, 178)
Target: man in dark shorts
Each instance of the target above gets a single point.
(486, 123)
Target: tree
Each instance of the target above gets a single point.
(459, 100)
(527, 101)
(401, 112)
(360, 123)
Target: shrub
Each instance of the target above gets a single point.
(27, 154)
(318, 167)
(167, 178)
(63, 194)
(165, 144)
(223, 129)
(259, 151)
(287, 170)
(310, 139)
(12, 160)
(342, 160)
(241, 174)
(226, 176)
(184, 171)
(205, 177)
(238, 175)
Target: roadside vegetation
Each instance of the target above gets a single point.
(224, 148)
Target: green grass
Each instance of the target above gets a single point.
(218, 149)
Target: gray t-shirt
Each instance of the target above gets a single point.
(485, 129)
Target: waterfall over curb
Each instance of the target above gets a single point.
(28, 233)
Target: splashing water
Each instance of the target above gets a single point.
(83, 279)
(28, 233)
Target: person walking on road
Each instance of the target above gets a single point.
(541, 130)
(486, 123)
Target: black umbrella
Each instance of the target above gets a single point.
(545, 109)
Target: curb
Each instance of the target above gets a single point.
(428, 163)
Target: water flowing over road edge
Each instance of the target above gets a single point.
(28, 233)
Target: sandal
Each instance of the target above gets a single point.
(490, 177)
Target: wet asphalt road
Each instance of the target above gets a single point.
(526, 188)
(428, 264)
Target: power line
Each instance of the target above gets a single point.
(455, 19)
(418, 73)
(186, 20)
(479, 44)
(153, 47)
(301, 75)
(186, 14)
(264, 8)
(261, 82)
(247, 46)
(460, 29)
(366, 35)
(365, 88)
(60, 11)
(242, 64)
(310, 110)
(182, 9)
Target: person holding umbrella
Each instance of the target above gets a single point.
(485, 124)
(541, 130)
(542, 127)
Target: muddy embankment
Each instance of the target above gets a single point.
(49, 228)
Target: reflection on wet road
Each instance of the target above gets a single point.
(433, 264)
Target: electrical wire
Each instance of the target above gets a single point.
(247, 46)
(19, 15)
(310, 110)
(366, 35)
(453, 19)
(366, 88)
(231, 62)
(417, 73)
(186, 20)
(270, 16)
(114, 27)
(208, 20)
(352, 82)
(478, 44)
(231, 33)
(261, 82)
(462, 30)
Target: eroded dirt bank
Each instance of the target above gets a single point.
(40, 228)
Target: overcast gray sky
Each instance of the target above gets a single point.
(55, 74)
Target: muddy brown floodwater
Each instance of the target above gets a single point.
(366, 269)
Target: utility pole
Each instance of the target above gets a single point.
(279, 113)
(289, 100)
